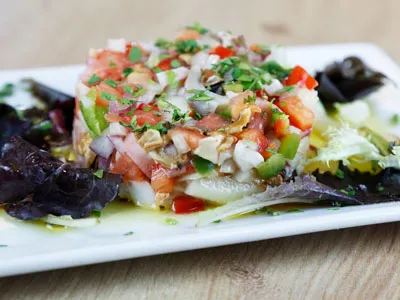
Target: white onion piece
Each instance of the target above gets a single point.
(246, 155)
(68, 221)
(146, 97)
(118, 143)
(199, 59)
(180, 73)
(273, 87)
(138, 155)
(102, 146)
(117, 45)
(115, 129)
(193, 79)
(141, 193)
(180, 144)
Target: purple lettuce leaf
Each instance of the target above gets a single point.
(35, 183)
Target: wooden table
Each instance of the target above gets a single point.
(358, 263)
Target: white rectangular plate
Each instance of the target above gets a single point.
(32, 247)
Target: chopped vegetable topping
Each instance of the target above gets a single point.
(108, 96)
(170, 221)
(94, 79)
(199, 95)
(99, 173)
(135, 54)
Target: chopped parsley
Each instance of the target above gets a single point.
(273, 213)
(128, 89)
(395, 119)
(127, 71)
(225, 65)
(146, 108)
(197, 116)
(127, 101)
(339, 174)
(111, 82)
(188, 46)
(196, 26)
(94, 79)
(171, 221)
(276, 70)
(96, 213)
(163, 43)
(350, 191)
(295, 210)
(178, 116)
(7, 90)
(108, 96)
(129, 233)
(250, 99)
(175, 63)
(217, 221)
(286, 89)
(131, 112)
(99, 173)
(135, 54)
(171, 76)
(199, 95)
(159, 126)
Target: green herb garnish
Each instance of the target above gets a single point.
(135, 54)
(163, 43)
(200, 29)
(170, 221)
(188, 46)
(175, 63)
(146, 108)
(217, 221)
(111, 83)
(295, 210)
(94, 79)
(96, 213)
(273, 213)
(7, 90)
(286, 89)
(339, 174)
(178, 116)
(127, 71)
(99, 173)
(250, 99)
(128, 89)
(127, 101)
(129, 233)
(199, 95)
(108, 96)
(395, 119)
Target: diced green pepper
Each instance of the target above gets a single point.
(92, 114)
(289, 145)
(203, 166)
(271, 167)
(235, 87)
(224, 111)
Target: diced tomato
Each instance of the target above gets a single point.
(188, 34)
(300, 115)
(256, 136)
(165, 64)
(185, 204)
(258, 121)
(212, 122)
(301, 76)
(125, 166)
(146, 115)
(222, 52)
(191, 137)
(281, 127)
(160, 182)
(261, 93)
(269, 151)
(104, 87)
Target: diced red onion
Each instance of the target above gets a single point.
(171, 173)
(118, 143)
(102, 146)
(56, 116)
(138, 155)
(104, 163)
(113, 107)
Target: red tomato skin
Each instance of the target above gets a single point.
(212, 122)
(185, 204)
(256, 136)
(222, 52)
(301, 76)
(300, 116)
(125, 166)
(281, 127)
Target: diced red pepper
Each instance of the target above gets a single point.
(187, 204)
(300, 115)
(301, 76)
(165, 64)
(222, 52)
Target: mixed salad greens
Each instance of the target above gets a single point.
(202, 120)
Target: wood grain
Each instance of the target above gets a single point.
(358, 263)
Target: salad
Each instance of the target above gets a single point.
(204, 123)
